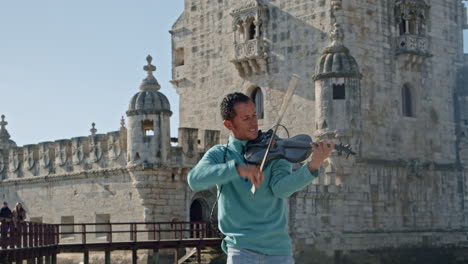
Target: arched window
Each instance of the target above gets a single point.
(251, 33)
(240, 31)
(406, 100)
(257, 98)
(402, 25)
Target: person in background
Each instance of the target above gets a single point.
(19, 214)
(5, 217)
(5, 212)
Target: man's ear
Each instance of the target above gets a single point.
(228, 124)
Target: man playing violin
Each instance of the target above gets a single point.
(254, 225)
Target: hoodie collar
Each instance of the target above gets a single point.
(236, 144)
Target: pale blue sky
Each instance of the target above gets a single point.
(66, 64)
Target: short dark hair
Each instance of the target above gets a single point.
(228, 103)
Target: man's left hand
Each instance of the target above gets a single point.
(321, 151)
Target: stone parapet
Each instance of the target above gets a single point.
(65, 156)
(191, 145)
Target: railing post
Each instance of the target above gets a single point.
(159, 232)
(31, 235)
(135, 230)
(57, 234)
(19, 235)
(41, 234)
(12, 232)
(134, 256)
(4, 234)
(25, 234)
(85, 256)
(107, 256)
(83, 234)
(109, 235)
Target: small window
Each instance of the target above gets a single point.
(148, 128)
(412, 26)
(407, 107)
(251, 32)
(257, 98)
(102, 230)
(402, 26)
(179, 59)
(67, 230)
(339, 92)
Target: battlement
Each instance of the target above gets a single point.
(63, 156)
(191, 146)
(94, 152)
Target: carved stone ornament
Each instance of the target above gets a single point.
(44, 155)
(114, 146)
(28, 157)
(13, 160)
(77, 150)
(61, 156)
(2, 162)
(95, 151)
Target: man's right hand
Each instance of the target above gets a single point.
(251, 172)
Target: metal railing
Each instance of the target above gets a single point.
(28, 240)
(84, 233)
(19, 235)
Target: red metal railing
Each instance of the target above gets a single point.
(18, 235)
(28, 240)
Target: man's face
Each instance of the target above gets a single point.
(244, 126)
(5, 205)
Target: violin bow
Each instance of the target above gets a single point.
(287, 98)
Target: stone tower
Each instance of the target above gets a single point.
(148, 115)
(396, 92)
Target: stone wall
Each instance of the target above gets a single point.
(295, 33)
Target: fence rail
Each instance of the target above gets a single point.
(29, 240)
(84, 233)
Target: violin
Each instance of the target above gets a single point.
(295, 149)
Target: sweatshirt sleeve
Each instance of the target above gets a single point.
(211, 171)
(284, 182)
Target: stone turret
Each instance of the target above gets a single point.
(5, 141)
(148, 136)
(337, 90)
(338, 103)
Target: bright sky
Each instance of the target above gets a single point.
(66, 64)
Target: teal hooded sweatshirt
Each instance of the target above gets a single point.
(256, 222)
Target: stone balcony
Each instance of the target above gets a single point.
(250, 57)
(412, 49)
(413, 44)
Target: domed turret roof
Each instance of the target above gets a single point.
(149, 100)
(336, 61)
(5, 141)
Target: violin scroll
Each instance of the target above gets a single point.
(340, 148)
